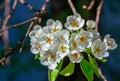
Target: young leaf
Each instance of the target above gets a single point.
(68, 70)
(52, 74)
(86, 69)
(37, 56)
(93, 65)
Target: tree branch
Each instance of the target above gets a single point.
(72, 6)
(92, 3)
(101, 75)
(98, 14)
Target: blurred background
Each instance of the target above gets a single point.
(23, 66)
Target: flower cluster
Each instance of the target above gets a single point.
(55, 41)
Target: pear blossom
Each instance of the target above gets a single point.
(63, 49)
(75, 56)
(96, 35)
(90, 24)
(84, 39)
(36, 32)
(63, 35)
(52, 26)
(49, 59)
(99, 49)
(74, 22)
(47, 41)
(36, 45)
(110, 42)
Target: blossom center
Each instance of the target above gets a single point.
(82, 38)
(54, 29)
(52, 57)
(74, 44)
(74, 23)
(62, 48)
(38, 45)
(98, 50)
(109, 43)
(48, 40)
(75, 55)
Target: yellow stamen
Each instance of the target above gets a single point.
(82, 39)
(52, 57)
(74, 44)
(98, 50)
(54, 29)
(62, 48)
(48, 40)
(74, 23)
(75, 55)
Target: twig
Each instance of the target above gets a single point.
(19, 24)
(22, 43)
(72, 6)
(98, 14)
(101, 75)
(28, 5)
(32, 20)
(90, 5)
(5, 34)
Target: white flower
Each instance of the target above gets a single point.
(36, 45)
(74, 22)
(52, 26)
(75, 56)
(63, 49)
(110, 42)
(36, 32)
(90, 24)
(99, 49)
(47, 41)
(63, 35)
(96, 35)
(84, 39)
(73, 43)
(49, 59)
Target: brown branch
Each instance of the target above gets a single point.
(98, 14)
(19, 24)
(8, 16)
(28, 5)
(92, 3)
(72, 6)
(29, 29)
(32, 20)
(101, 75)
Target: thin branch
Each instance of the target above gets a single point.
(101, 75)
(92, 3)
(32, 20)
(19, 24)
(98, 14)
(72, 6)
(28, 5)
(29, 29)
(8, 16)
(5, 34)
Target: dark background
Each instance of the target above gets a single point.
(24, 67)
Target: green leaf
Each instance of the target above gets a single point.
(68, 70)
(94, 65)
(86, 69)
(37, 56)
(52, 74)
(103, 60)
